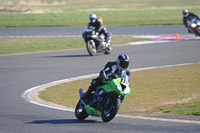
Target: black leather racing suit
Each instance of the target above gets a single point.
(98, 27)
(109, 72)
(189, 18)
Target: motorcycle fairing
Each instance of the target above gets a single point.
(115, 86)
(92, 111)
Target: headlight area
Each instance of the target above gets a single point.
(193, 25)
(119, 88)
(126, 91)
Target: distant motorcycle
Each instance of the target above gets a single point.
(106, 100)
(194, 26)
(95, 42)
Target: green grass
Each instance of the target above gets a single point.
(11, 46)
(191, 108)
(154, 92)
(75, 13)
(24, 45)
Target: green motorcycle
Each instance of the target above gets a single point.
(105, 101)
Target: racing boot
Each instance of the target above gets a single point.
(107, 40)
(87, 93)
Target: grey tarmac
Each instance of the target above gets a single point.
(21, 72)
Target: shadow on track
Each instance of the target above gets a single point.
(62, 121)
(68, 56)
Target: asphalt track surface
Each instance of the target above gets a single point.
(76, 31)
(23, 71)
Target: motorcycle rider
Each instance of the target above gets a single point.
(98, 27)
(187, 17)
(111, 70)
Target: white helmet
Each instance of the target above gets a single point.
(92, 17)
(185, 12)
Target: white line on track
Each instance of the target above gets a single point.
(130, 43)
(27, 95)
(148, 42)
(63, 36)
(53, 36)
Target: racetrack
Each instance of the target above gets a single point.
(76, 31)
(23, 71)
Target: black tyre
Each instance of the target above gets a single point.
(110, 108)
(197, 31)
(80, 112)
(91, 48)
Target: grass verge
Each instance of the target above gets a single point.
(75, 13)
(24, 45)
(174, 90)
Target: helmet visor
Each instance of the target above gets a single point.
(92, 20)
(124, 64)
(185, 14)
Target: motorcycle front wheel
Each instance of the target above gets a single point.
(80, 112)
(91, 47)
(110, 108)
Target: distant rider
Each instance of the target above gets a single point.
(187, 17)
(111, 71)
(98, 27)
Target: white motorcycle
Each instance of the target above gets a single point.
(95, 42)
(194, 26)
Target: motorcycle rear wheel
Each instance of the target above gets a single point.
(108, 50)
(80, 112)
(197, 31)
(110, 108)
